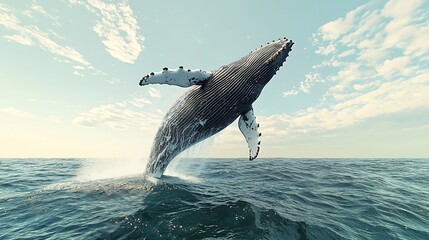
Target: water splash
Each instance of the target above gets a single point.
(187, 165)
(94, 169)
(183, 169)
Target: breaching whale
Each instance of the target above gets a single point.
(214, 101)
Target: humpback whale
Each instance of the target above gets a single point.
(214, 100)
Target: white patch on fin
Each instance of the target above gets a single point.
(249, 128)
(179, 77)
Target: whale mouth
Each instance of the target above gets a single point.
(279, 57)
(285, 49)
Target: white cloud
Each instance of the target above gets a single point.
(77, 73)
(372, 55)
(408, 27)
(306, 85)
(328, 63)
(139, 102)
(120, 115)
(336, 28)
(30, 35)
(310, 79)
(391, 66)
(401, 9)
(155, 93)
(346, 53)
(379, 67)
(19, 39)
(7, 19)
(117, 28)
(386, 98)
(11, 111)
(326, 50)
(39, 9)
(78, 67)
(291, 92)
(53, 47)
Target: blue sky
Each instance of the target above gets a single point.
(355, 85)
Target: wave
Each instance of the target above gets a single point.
(174, 212)
(216, 199)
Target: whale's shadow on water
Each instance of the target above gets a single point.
(171, 210)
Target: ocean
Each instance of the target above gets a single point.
(271, 198)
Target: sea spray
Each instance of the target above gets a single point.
(94, 169)
(184, 169)
(187, 166)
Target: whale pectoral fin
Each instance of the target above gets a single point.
(179, 77)
(249, 128)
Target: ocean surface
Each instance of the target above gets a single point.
(271, 198)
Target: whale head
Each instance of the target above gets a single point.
(265, 61)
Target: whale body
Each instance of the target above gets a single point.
(214, 100)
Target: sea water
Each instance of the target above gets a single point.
(272, 198)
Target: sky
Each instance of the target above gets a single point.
(355, 85)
